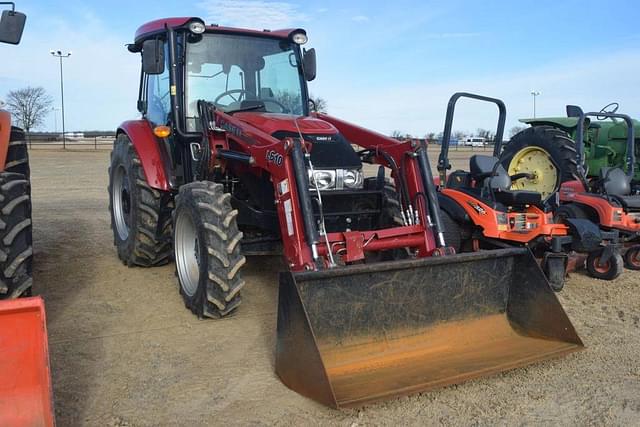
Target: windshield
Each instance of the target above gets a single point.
(243, 73)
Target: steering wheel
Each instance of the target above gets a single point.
(242, 93)
(606, 109)
(284, 109)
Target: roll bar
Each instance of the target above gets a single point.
(443, 159)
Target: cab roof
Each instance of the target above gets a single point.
(158, 26)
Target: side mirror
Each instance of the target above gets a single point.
(11, 26)
(153, 56)
(309, 64)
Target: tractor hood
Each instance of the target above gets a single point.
(271, 123)
(329, 150)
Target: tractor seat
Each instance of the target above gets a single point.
(481, 170)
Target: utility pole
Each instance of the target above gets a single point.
(59, 54)
(535, 94)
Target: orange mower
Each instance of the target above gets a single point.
(482, 212)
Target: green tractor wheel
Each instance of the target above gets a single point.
(546, 153)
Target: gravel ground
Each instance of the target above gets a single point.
(125, 351)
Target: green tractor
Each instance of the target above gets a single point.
(548, 150)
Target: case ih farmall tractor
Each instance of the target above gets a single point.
(229, 161)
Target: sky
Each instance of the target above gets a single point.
(385, 65)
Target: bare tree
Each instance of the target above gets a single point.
(29, 106)
(396, 134)
(458, 135)
(515, 130)
(486, 134)
(430, 137)
(320, 104)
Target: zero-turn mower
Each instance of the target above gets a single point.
(610, 195)
(228, 160)
(483, 211)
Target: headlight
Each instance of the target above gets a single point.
(299, 37)
(324, 180)
(352, 178)
(338, 179)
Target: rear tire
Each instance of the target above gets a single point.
(609, 271)
(207, 250)
(141, 229)
(18, 154)
(632, 258)
(16, 251)
(555, 142)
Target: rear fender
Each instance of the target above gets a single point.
(587, 236)
(455, 211)
(153, 158)
(567, 124)
(5, 133)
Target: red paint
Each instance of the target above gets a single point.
(574, 192)
(26, 397)
(272, 122)
(148, 148)
(159, 25)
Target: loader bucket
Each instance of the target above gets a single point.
(353, 335)
(25, 382)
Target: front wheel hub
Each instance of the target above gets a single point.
(121, 202)
(187, 253)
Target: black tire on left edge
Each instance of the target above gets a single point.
(16, 251)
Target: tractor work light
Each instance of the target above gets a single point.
(196, 27)
(299, 37)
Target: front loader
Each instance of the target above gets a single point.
(227, 161)
(484, 210)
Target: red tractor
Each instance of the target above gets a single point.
(228, 160)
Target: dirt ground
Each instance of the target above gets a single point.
(125, 351)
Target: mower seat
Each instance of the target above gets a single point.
(629, 202)
(615, 182)
(495, 179)
(518, 198)
(481, 169)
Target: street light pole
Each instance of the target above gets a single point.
(59, 54)
(534, 93)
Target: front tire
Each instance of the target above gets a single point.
(141, 227)
(16, 251)
(610, 270)
(207, 250)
